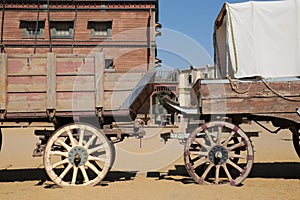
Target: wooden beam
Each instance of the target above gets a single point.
(51, 81)
(99, 80)
(3, 84)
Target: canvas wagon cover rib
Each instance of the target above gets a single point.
(263, 39)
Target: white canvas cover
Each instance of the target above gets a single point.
(263, 39)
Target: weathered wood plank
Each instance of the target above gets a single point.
(75, 83)
(75, 66)
(99, 80)
(26, 84)
(254, 89)
(30, 66)
(26, 102)
(75, 101)
(51, 81)
(3, 81)
(121, 81)
(113, 100)
(249, 105)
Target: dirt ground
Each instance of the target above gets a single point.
(275, 174)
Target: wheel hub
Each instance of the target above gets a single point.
(78, 156)
(218, 155)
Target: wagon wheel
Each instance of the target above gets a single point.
(296, 141)
(218, 153)
(78, 154)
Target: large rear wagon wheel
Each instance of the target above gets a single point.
(77, 155)
(218, 153)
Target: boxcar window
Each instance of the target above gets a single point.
(100, 29)
(32, 28)
(109, 63)
(62, 29)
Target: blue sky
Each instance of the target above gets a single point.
(190, 21)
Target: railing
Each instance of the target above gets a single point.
(167, 76)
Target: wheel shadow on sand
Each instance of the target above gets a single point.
(282, 170)
(39, 175)
(278, 170)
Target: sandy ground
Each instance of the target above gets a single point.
(275, 174)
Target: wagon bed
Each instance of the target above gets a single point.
(48, 85)
(278, 98)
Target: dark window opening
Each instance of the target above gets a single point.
(62, 29)
(32, 28)
(100, 29)
(109, 64)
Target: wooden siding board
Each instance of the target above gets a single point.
(26, 84)
(51, 81)
(99, 80)
(75, 101)
(21, 66)
(26, 102)
(75, 83)
(221, 99)
(3, 81)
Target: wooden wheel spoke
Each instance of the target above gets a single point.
(59, 153)
(81, 134)
(200, 162)
(217, 175)
(62, 162)
(94, 158)
(74, 177)
(228, 138)
(90, 141)
(199, 153)
(63, 144)
(220, 129)
(66, 170)
(240, 144)
(235, 165)
(72, 139)
(212, 143)
(237, 156)
(95, 149)
(202, 145)
(227, 172)
(207, 171)
(85, 176)
(92, 167)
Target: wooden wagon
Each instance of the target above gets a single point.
(218, 150)
(250, 43)
(80, 100)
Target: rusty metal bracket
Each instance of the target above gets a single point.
(2, 113)
(51, 114)
(99, 114)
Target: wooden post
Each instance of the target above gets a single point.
(3, 84)
(99, 80)
(51, 84)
